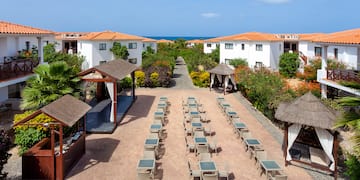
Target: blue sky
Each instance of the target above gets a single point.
(185, 17)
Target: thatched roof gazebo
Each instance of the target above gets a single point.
(223, 73)
(307, 113)
(108, 73)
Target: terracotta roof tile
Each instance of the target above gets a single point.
(343, 37)
(11, 28)
(149, 40)
(164, 41)
(109, 35)
(310, 36)
(195, 41)
(251, 36)
(213, 40)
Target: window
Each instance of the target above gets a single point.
(143, 45)
(227, 61)
(229, 45)
(259, 47)
(102, 62)
(242, 46)
(27, 45)
(258, 64)
(132, 45)
(336, 52)
(208, 45)
(102, 46)
(317, 51)
(133, 60)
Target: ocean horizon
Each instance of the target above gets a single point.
(179, 37)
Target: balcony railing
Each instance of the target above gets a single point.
(347, 75)
(17, 68)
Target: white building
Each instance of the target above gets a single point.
(210, 45)
(343, 46)
(259, 49)
(148, 42)
(67, 41)
(193, 42)
(96, 47)
(15, 69)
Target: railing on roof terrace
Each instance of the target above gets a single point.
(347, 75)
(17, 68)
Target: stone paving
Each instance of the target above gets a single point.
(115, 156)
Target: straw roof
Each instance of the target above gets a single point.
(67, 110)
(115, 69)
(222, 69)
(307, 110)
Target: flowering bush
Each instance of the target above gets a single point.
(201, 79)
(140, 78)
(28, 135)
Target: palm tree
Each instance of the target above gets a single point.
(351, 119)
(50, 83)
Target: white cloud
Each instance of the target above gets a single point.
(210, 15)
(275, 1)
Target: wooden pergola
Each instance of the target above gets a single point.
(224, 73)
(42, 161)
(309, 112)
(110, 72)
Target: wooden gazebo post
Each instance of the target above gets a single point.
(133, 85)
(286, 142)
(115, 101)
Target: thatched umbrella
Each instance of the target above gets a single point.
(307, 110)
(310, 111)
(224, 70)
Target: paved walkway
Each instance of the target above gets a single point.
(115, 156)
(181, 78)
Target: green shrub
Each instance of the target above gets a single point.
(140, 78)
(238, 62)
(352, 167)
(154, 77)
(335, 64)
(351, 84)
(27, 138)
(126, 83)
(288, 65)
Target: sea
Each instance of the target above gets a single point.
(178, 37)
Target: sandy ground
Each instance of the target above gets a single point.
(115, 156)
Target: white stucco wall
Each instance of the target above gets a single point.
(208, 50)
(93, 56)
(153, 45)
(268, 56)
(346, 53)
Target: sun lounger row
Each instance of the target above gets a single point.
(147, 164)
(252, 145)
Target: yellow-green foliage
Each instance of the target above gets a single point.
(155, 79)
(140, 78)
(41, 118)
(201, 79)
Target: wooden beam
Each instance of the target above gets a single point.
(98, 80)
(115, 103)
(286, 142)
